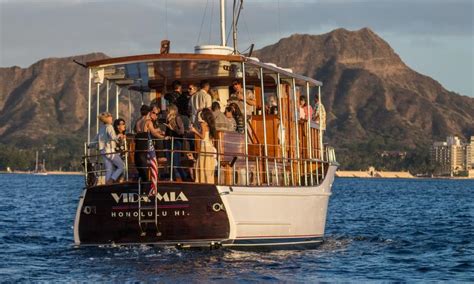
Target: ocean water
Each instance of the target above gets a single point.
(388, 230)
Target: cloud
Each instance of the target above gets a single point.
(35, 29)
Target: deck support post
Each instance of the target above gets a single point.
(89, 98)
(296, 108)
(117, 93)
(321, 150)
(129, 111)
(97, 109)
(107, 89)
(265, 145)
(245, 127)
(282, 126)
(308, 129)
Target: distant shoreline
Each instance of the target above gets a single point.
(48, 173)
(390, 175)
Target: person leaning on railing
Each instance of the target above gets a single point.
(120, 127)
(107, 141)
(144, 127)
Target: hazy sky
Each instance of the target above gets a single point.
(434, 37)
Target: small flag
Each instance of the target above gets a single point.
(153, 164)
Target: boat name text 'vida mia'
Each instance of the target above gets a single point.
(133, 197)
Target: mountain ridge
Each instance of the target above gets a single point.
(373, 99)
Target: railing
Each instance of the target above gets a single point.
(230, 168)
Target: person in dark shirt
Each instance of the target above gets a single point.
(183, 101)
(175, 129)
(172, 98)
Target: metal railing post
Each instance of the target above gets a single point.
(308, 127)
(172, 158)
(126, 159)
(107, 86)
(89, 98)
(129, 111)
(85, 163)
(276, 172)
(262, 87)
(320, 128)
(98, 109)
(117, 105)
(245, 127)
(282, 125)
(297, 130)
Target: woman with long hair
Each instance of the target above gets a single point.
(175, 129)
(206, 162)
(120, 127)
(107, 142)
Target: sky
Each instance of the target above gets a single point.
(433, 37)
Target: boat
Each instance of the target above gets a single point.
(40, 171)
(272, 183)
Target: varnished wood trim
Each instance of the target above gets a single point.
(157, 57)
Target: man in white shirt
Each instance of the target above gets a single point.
(201, 100)
(238, 98)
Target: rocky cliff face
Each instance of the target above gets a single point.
(46, 100)
(369, 92)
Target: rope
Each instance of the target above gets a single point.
(202, 23)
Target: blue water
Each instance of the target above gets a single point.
(386, 230)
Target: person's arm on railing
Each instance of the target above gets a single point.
(154, 131)
(193, 130)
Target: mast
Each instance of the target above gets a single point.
(223, 43)
(36, 164)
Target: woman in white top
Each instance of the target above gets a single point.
(107, 141)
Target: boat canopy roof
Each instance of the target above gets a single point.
(153, 71)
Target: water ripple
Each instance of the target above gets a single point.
(385, 230)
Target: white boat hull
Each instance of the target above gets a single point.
(277, 215)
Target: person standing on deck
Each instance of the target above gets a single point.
(175, 129)
(319, 114)
(305, 110)
(183, 101)
(201, 100)
(206, 162)
(143, 127)
(237, 97)
(107, 141)
(172, 98)
(222, 124)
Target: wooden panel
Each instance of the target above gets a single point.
(185, 212)
(271, 121)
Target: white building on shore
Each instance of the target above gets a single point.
(453, 156)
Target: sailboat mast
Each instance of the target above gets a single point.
(36, 163)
